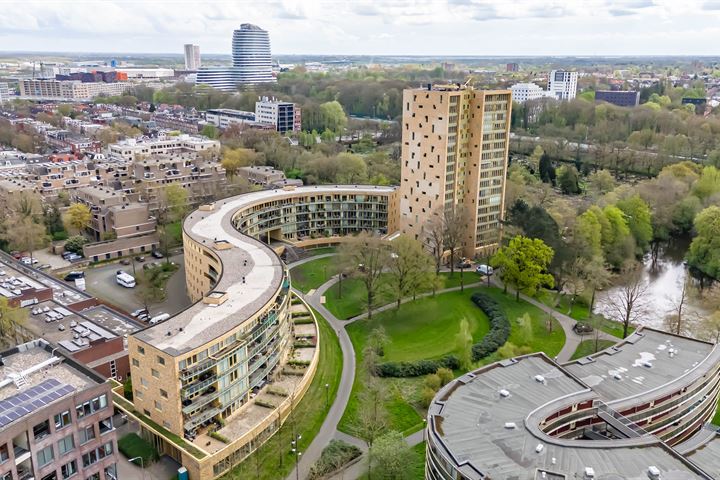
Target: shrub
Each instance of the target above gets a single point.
(75, 244)
(499, 326)
(333, 457)
(280, 392)
(262, 403)
(302, 321)
(433, 381)
(446, 375)
(426, 397)
(416, 369)
(219, 437)
(299, 363)
(128, 389)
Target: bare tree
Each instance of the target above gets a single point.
(453, 225)
(678, 320)
(369, 255)
(629, 303)
(435, 238)
(373, 417)
(408, 267)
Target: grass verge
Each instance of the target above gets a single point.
(274, 459)
(311, 275)
(587, 347)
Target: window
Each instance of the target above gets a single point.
(91, 406)
(161, 360)
(41, 430)
(106, 425)
(105, 450)
(94, 476)
(141, 350)
(135, 362)
(163, 393)
(87, 434)
(66, 444)
(45, 456)
(62, 420)
(158, 406)
(6, 476)
(89, 458)
(155, 373)
(50, 476)
(138, 393)
(111, 472)
(69, 469)
(143, 382)
(4, 454)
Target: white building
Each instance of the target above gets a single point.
(192, 57)
(131, 148)
(284, 116)
(4, 92)
(562, 84)
(522, 92)
(224, 117)
(145, 73)
(36, 89)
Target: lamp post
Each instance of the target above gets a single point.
(296, 453)
(142, 465)
(424, 427)
(327, 395)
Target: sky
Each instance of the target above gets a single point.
(369, 27)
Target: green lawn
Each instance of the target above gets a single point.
(174, 231)
(274, 460)
(580, 310)
(425, 328)
(587, 347)
(132, 445)
(312, 274)
(609, 326)
(321, 251)
(416, 469)
(716, 419)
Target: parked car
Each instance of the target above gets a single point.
(137, 312)
(464, 264)
(157, 254)
(140, 258)
(484, 270)
(125, 261)
(72, 276)
(582, 328)
(28, 261)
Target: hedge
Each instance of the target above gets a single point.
(499, 326)
(494, 339)
(335, 456)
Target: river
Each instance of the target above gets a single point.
(664, 287)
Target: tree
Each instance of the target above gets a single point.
(618, 243)
(601, 182)
(333, 116)
(676, 321)
(78, 217)
(172, 206)
(368, 255)
(704, 253)
(627, 304)
(435, 237)
(710, 327)
(547, 169)
(569, 180)
(11, 319)
(25, 234)
(523, 264)
(210, 131)
(235, 158)
(464, 345)
(390, 456)
(453, 227)
(373, 417)
(75, 244)
(408, 266)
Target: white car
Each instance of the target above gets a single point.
(484, 270)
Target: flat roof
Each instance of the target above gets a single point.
(646, 361)
(489, 434)
(707, 456)
(250, 259)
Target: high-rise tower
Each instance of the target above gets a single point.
(454, 158)
(192, 57)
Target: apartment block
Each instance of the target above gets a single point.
(562, 85)
(55, 417)
(267, 177)
(285, 116)
(617, 97)
(4, 92)
(454, 158)
(114, 213)
(132, 149)
(224, 117)
(68, 89)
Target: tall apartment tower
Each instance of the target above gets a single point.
(454, 158)
(562, 84)
(192, 57)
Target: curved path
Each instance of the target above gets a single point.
(329, 430)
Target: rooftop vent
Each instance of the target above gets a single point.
(215, 298)
(617, 376)
(539, 447)
(653, 472)
(647, 364)
(539, 379)
(510, 425)
(589, 473)
(504, 393)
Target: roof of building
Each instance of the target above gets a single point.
(488, 421)
(707, 456)
(251, 260)
(31, 377)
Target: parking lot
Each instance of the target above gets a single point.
(100, 282)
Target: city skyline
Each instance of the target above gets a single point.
(388, 27)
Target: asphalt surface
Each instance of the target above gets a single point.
(100, 282)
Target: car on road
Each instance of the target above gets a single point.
(157, 254)
(582, 328)
(140, 258)
(44, 266)
(72, 276)
(484, 269)
(143, 317)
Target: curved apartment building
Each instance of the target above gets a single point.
(636, 410)
(203, 366)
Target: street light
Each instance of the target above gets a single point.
(296, 453)
(142, 465)
(424, 427)
(327, 395)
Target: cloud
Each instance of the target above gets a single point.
(619, 12)
(711, 5)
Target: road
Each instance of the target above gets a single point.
(100, 282)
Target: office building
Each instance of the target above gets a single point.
(192, 57)
(522, 92)
(636, 410)
(224, 117)
(454, 156)
(55, 417)
(512, 67)
(4, 92)
(284, 116)
(251, 65)
(131, 149)
(619, 98)
(73, 90)
(562, 85)
(147, 73)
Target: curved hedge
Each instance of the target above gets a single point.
(495, 338)
(499, 326)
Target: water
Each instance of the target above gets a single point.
(665, 281)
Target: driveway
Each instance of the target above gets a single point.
(100, 282)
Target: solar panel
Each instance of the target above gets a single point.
(34, 398)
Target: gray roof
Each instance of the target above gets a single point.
(707, 456)
(470, 422)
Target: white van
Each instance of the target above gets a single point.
(159, 318)
(125, 279)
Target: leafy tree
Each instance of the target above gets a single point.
(601, 182)
(618, 243)
(78, 217)
(708, 185)
(75, 244)
(11, 318)
(172, 206)
(408, 265)
(210, 131)
(367, 255)
(390, 456)
(684, 213)
(24, 234)
(704, 253)
(547, 169)
(523, 263)
(333, 116)
(235, 158)
(569, 180)
(588, 229)
(373, 416)
(640, 221)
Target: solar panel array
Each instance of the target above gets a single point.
(34, 398)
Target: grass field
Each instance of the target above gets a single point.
(132, 445)
(716, 419)
(580, 310)
(311, 275)
(587, 347)
(274, 460)
(609, 326)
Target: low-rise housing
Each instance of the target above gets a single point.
(133, 149)
(42, 89)
(267, 177)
